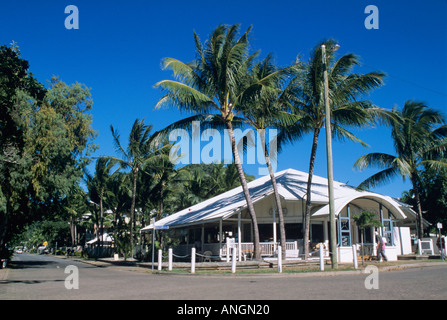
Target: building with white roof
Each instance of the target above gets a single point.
(207, 225)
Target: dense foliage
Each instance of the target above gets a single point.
(45, 142)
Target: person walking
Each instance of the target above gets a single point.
(381, 248)
(441, 246)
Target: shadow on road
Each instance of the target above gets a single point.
(16, 264)
(28, 281)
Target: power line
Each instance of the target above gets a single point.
(410, 82)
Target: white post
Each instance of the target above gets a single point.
(419, 247)
(160, 259)
(170, 259)
(233, 264)
(279, 259)
(228, 250)
(321, 257)
(354, 256)
(193, 260)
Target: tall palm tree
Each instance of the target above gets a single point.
(269, 108)
(214, 85)
(345, 90)
(98, 187)
(142, 148)
(417, 143)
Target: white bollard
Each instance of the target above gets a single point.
(170, 259)
(233, 263)
(321, 257)
(354, 257)
(279, 259)
(160, 259)
(193, 260)
(419, 247)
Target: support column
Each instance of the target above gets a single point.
(202, 237)
(274, 226)
(220, 237)
(239, 236)
(325, 234)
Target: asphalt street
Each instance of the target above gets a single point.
(48, 278)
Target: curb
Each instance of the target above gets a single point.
(359, 271)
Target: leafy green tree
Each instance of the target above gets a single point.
(432, 186)
(19, 90)
(347, 109)
(419, 136)
(45, 142)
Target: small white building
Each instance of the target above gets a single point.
(207, 225)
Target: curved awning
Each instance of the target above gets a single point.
(392, 205)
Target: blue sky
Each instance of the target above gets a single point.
(119, 45)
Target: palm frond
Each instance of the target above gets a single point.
(183, 72)
(341, 134)
(374, 159)
(117, 144)
(184, 97)
(378, 179)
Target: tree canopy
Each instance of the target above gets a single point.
(45, 142)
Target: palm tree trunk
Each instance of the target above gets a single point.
(418, 205)
(282, 230)
(309, 192)
(160, 214)
(251, 210)
(132, 209)
(101, 222)
(72, 233)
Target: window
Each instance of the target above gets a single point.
(388, 231)
(387, 222)
(344, 228)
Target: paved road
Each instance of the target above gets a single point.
(44, 277)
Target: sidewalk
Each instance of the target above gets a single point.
(214, 267)
(3, 274)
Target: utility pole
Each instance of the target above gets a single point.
(330, 176)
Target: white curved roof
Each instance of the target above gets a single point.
(340, 203)
(292, 186)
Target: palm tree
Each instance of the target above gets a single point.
(213, 87)
(268, 108)
(417, 143)
(364, 220)
(141, 150)
(98, 187)
(345, 89)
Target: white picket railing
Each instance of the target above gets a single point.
(267, 249)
